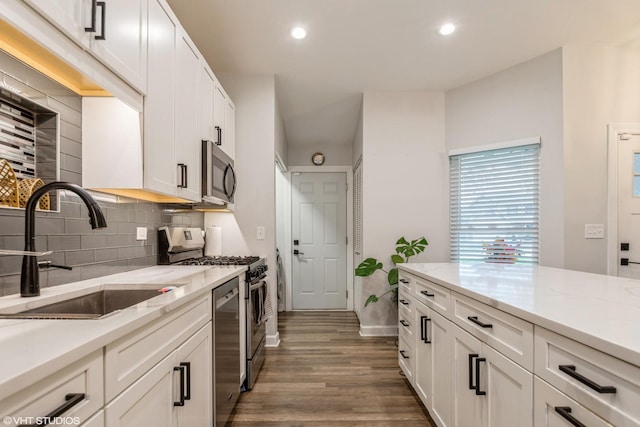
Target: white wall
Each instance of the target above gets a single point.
(601, 86)
(404, 185)
(520, 102)
(254, 98)
(357, 141)
(281, 137)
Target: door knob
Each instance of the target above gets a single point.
(297, 252)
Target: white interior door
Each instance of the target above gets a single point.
(319, 227)
(629, 206)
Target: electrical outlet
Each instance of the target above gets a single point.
(260, 233)
(141, 233)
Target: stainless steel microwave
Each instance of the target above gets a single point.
(218, 175)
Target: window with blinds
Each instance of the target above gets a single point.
(494, 205)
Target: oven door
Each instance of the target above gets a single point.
(256, 329)
(218, 174)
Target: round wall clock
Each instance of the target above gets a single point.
(317, 159)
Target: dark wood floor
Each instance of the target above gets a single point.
(325, 374)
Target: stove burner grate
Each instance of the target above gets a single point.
(221, 260)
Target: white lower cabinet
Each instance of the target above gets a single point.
(553, 408)
(433, 363)
(175, 392)
(490, 390)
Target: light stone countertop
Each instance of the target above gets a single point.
(30, 350)
(597, 310)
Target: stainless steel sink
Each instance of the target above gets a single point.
(91, 306)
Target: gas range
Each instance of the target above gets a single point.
(185, 246)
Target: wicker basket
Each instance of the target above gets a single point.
(27, 186)
(9, 192)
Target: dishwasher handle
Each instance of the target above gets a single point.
(220, 301)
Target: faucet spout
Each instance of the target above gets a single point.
(30, 277)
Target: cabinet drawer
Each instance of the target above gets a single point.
(406, 327)
(406, 282)
(552, 408)
(406, 358)
(44, 397)
(602, 383)
(508, 334)
(131, 356)
(433, 295)
(405, 302)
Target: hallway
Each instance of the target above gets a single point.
(325, 374)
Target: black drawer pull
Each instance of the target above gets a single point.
(403, 355)
(427, 294)
(471, 357)
(404, 280)
(478, 391)
(475, 320)
(565, 412)
(103, 20)
(423, 330)
(92, 27)
(71, 400)
(571, 371)
(182, 370)
(404, 302)
(187, 365)
(404, 323)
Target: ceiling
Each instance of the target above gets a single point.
(354, 46)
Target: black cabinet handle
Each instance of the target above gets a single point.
(425, 337)
(471, 357)
(71, 400)
(404, 323)
(571, 371)
(403, 302)
(565, 412)
(404, 280)
(182, 370)
(218, 135)
(103, 20)
(183, 175)
(478, 391)
(427, 294)
(92, 27)
(403, 355)
(475, 320)
(187, 365)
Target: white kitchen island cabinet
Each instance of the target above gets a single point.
(498, 317)
(175, 392)
(114, 31)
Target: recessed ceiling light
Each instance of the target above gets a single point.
(298, 33)
(447, 29)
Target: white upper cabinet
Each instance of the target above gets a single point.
(218, 113)
(114, 31)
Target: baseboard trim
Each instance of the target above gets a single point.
(378, 331)
(272, 340)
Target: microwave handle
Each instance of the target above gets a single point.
(224, 180)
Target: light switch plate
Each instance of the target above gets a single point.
(594, 231)
(260, 233)
(141, 233)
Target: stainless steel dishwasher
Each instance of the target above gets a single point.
(226, 349)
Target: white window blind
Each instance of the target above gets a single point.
(494, 205)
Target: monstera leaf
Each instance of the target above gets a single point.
(368, 267)
(409, 249)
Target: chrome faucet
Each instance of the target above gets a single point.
(30, 277)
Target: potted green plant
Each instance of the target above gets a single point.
(404, 251)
